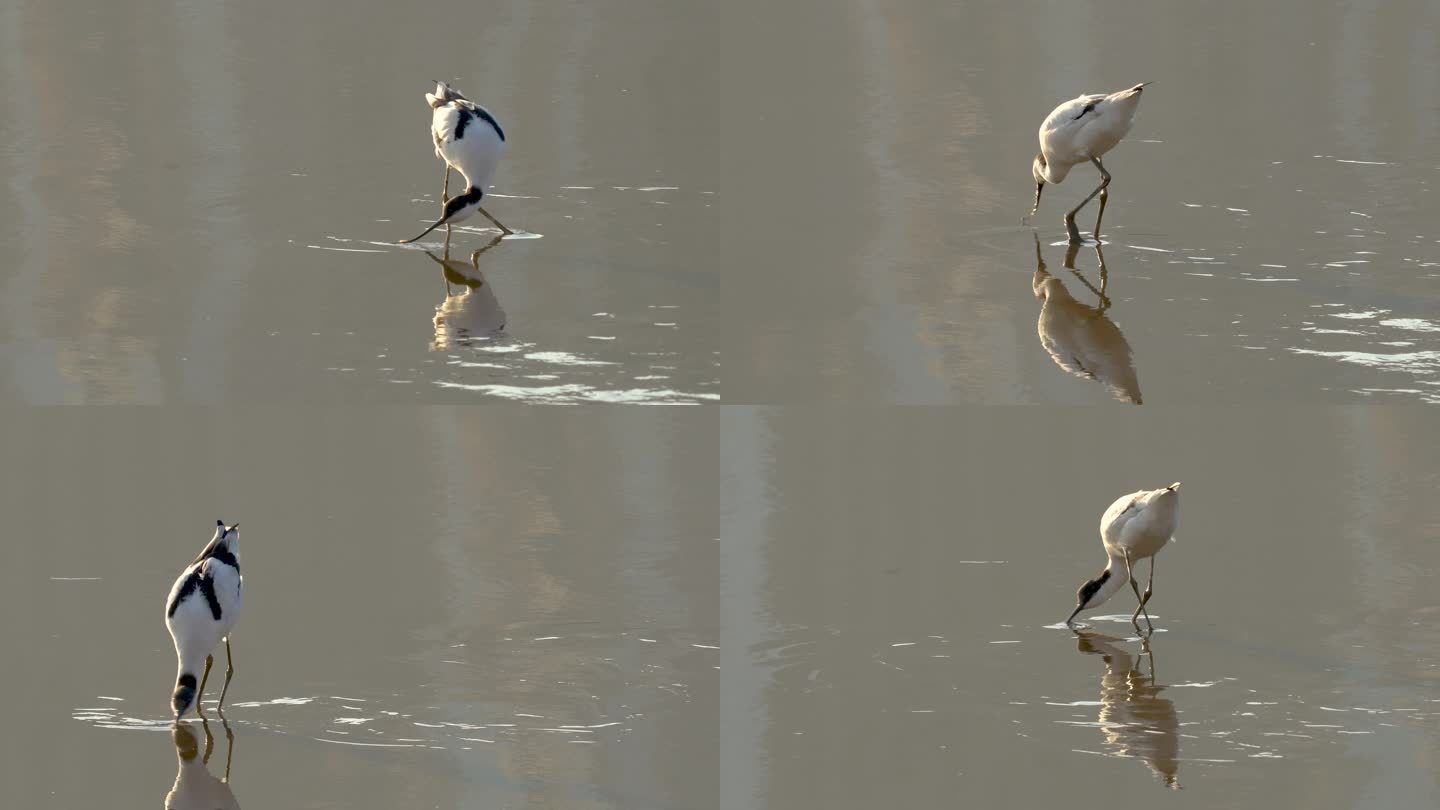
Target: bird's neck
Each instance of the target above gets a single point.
(1118, 579)
(1055, 172)
(191, 663)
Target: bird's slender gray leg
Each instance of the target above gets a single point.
(1130, 575)
(230, 740)
(1143, 599)
(1104, 195)
(200, 693)
(209, 742)
(445, 196)
(504, 230)
(229, 673)
(1135, 586)
(1149, 586)
(1070, 217)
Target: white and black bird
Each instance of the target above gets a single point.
(195, 787)
(469, 139)
(1082, 130)
(1136, 526)
(1080, 338)
(201, 609)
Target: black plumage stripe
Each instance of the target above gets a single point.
(223, 554)
(489, 119)
(207, 587)
(462, 123)
(187, 587)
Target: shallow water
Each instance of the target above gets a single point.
(441, 609)
(1270, 234)
(202, 206)
(892, 588)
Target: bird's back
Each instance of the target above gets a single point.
(1081, 340)
(1141, 522)
(1087, 127)
(202, 591)
(469, 138)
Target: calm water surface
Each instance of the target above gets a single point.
(891, 589)
(1270, 233)
(441, 610)
(201, 206)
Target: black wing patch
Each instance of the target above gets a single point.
(1088, 107)
(490, 119)
(207, 587)
(462, 123)
(187, 587)
(206, 584)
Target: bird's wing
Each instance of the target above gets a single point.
(1070, 111)
(1123, 510)
(446, 121)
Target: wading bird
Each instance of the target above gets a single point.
(1080, 338)
(1135, 526)
(469, 139)
(1083, 129)
(195, 787)
(200, 610)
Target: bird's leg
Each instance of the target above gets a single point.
(1143, 599)
(209, 741)
(1104, 195)
(1135, 586)
(475, 257)
(230, 741)
(200, 693)
(1149, 586)
(1130, 575)
(445, 196)
(504, 230)
(1104, 279)
(1070, 217)
(230, 672)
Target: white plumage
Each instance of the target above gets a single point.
(471, 313)
(469, 139)
(201, 610)
(1082, 130)
(1135, 527)
(195, 787)
(1080, 338)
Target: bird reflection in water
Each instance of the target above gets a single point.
(1137, 722)
(1079, 337)
(470, 310)
(195, 787)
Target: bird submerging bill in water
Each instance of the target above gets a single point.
(469, 139)
(1135, 526)
(1080, 130)
(201, 609)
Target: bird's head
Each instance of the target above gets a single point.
(1037, 171)
(1095, 592)
(184, 696)
(443, 95)
(229, 533)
